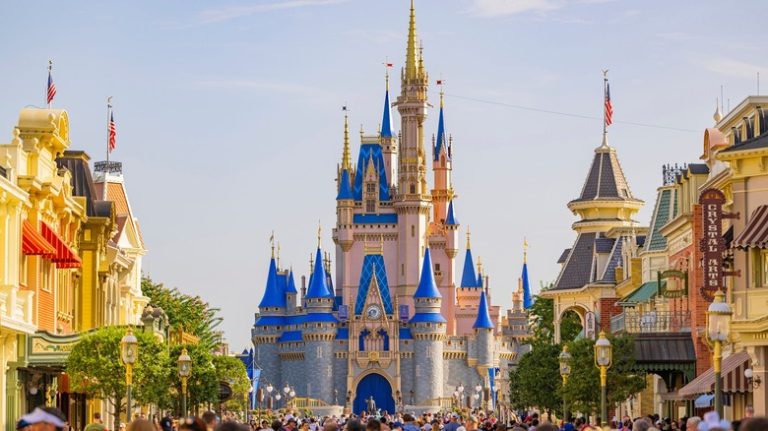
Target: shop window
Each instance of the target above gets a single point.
(760, 267)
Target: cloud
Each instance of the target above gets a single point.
(232, 12)
(491, 8)
(731, 67)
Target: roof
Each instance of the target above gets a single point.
(373, 263)
(271, 321)
(345, 188)
(273, 294)
(664, 348)
(342, 334)
(605, 179)
(318, 288)
(76, 162)
(527, 300)
(116, 193)
(577, 269)
(427, 287)
(646, 291)
(732, 372)
(615, 259)
(755, 232)
(428, 318)
(291, 286)
(755, 143)
(604, 245)
(386, 121)
(405, 334)
(440, 141)
(374, 218)
(290, 336)
(483, 320)
(371, 151)
(640, 240)
(320, 317)
(563, 255)
(698, 169)
(450, 218)
(468, 277)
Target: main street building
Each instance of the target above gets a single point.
(398, 326)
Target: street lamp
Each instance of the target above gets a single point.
(565, 372)
(129, 353)
(185, 368)
(718, 330)
(603, 360)
(476, 396)
(277, 397)
(270, 388)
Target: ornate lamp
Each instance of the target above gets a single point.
(129, 353)
(565, 372)
(603, 360)
(718, 331)
(185, 369)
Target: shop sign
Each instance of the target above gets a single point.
(591, 325)
(712, 244)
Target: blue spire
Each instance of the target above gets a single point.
(440, 142)
(386, 122)
(527, 301)
(273, 295)
(317, 286)
(483, 320)
(468, 277)
(451, 219)
(427, 287)
(480, 279)
(345, 188)
(291, 287)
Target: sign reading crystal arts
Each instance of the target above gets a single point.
(712, 244)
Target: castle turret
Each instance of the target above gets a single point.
(484, 338)
(441, 168)
(428, 328)
(318, 333)
(388, 140)
(525, 284)
(290, 293)
(468, 277)
(268, 325)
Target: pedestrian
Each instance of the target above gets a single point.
(140, 425)
(97, 424)
(210, 420)
(192, 424)
(43, 419)
(754, 424)
(454, 424)
(166, 423)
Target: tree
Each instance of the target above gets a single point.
(95, 368)
(232, 370)
(202, 384)
(188, 313)
(583, 388)
(536, 379)
(542, 315)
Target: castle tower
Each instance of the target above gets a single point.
(443, 193)
(269, 323)
(388, 140)
(525, 284)
(345, 209)
(484, 338)
(428, 328)
(318, 333)
(412, 203)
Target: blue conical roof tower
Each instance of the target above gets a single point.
(468, 276)
(440, 141)
(318, 288)
(427, 286)
(527, 300)
(273, 294)
(450, 218)
(427, 297)
(291, 288)
(386, 121)
(483, 320)
(345, 188)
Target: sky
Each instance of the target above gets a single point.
(229, 121)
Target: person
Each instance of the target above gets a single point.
(454, 424)
(97, 424)
(210, 420)
(355, 425)
(48, 419)
(641, 424)
(547, 427)
(231, 426)
(291, 424)
(140, 425)
(192, 424)
(264, 425)
(754, 424)
(330, 425)
(692, 424)
(166, 423)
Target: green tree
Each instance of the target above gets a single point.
(583, 388)
(536, 379)
(95, 368)
(202, 384)
(232, 370)
(542, 315)
(188, 313)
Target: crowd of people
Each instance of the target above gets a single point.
(52, 419)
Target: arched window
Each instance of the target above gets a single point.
(364, 333)
(383, 334)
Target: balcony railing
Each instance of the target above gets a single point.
(634, 322)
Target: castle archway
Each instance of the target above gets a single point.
(377, 386)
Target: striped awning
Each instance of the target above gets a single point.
(32, 243)
(64, 257)
(755, 233)
(732, 373)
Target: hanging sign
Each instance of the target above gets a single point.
(712, 244)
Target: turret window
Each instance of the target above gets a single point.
(370, 188)
(370, 206)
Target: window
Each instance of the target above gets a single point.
(437, 267)
(413, 189)
(370, 206)
(760, 268)
(370, 187)
(319, 352)
(413, 230)
(45, 272)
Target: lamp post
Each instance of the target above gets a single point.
(277, 398)
(603, 360)
(478, 389)
(185, 368)
(565, 372)
(718, 330)
(461, 395)
(292, 394)
(129, 353)
(270, 388)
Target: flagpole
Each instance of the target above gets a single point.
(48, 88)
(106, 165)
(605, 95)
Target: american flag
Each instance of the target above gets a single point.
(112, 132)
(51, 87)
(388, 64)
(608, 105)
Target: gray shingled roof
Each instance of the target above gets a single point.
(750, 144)
(564, 256)
(661, 216)
(82, 181)
(577, 269)
(698, 168)
(609, 275)
(604, 245)
(605, 179)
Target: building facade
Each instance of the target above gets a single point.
(398, 326)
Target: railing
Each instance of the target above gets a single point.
(634, 322)
(303, 402)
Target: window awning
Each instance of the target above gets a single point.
(755, 233)
(645, 292)
(64, 257)
(704, 401)
(32, 243)
(732, 374)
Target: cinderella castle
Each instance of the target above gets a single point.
(396, 328)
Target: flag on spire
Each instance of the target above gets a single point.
(608, 105)
(112, 143)
(51, 93)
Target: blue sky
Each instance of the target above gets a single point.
(229, 119)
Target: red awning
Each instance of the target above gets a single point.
(732, 374)
(755, 233)
(65, 257)
(32, 243)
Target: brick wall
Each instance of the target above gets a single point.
(697, 304)
(608, 309)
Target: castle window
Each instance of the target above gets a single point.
(413, 230)
(370, 187)
(413, 189)
(319, 352)
(370, 206)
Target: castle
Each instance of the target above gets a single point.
(396, 327)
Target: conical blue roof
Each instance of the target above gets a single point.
(480, 279)
(483, 315)
(273, 295)
(386, 122)
(468, 277)
(291, 287)
(450, 218)
(440, 142)
(317, 286)
(527, 300)
(427, 286)
(345, 187)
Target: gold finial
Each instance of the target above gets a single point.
(525, 250)
(479, 265)
(421, 57)
(278, 255)
(361, 132)
(441, 83)
(346, 157)
(272, 243)
(50, 65)
(387, 65)
(319, 232)
(311, 263)
(411, 60)
(468, 237)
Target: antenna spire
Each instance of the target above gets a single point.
(411, 54)
(525, 250)
(346, 156)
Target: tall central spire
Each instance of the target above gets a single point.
(411, 53)
(346, 162)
